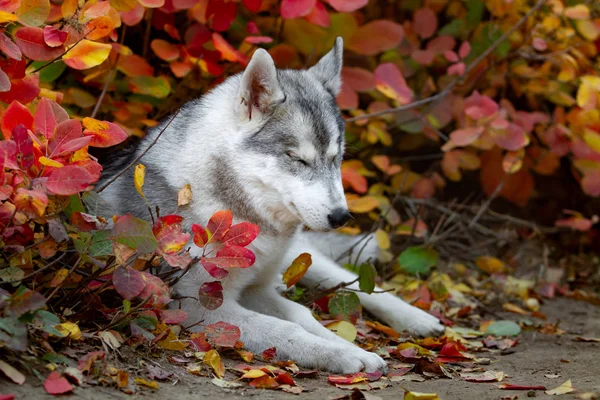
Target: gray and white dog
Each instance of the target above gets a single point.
(267, 144)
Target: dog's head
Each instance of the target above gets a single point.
(295, 131)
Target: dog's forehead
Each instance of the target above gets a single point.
(311, 112)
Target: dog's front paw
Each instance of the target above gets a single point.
(350, 360)
(417, 322)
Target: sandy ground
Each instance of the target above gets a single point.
(535, 356)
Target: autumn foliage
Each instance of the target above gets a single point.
(419, 79)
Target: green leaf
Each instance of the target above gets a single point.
(158, 87)
(50, 73)
(101, 244)
(418, 260)
(345, 305)
(475, 10)
(74, 205)
(126, 306)
(453, 28)
(135, 233)
(47, 322)
(81, 241)
(366, 278)
(12, 275)
(503, 328)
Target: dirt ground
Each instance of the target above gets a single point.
(535, 356)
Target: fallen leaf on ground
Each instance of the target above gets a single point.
(12, 373)
(508, 386)
(566, 387)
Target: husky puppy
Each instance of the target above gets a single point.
(266, 144)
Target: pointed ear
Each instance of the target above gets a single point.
(329, 68)
(259, 88)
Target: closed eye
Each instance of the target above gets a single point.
(297, 159)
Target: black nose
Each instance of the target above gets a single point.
(338, 217)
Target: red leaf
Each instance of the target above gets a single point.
(466, 136)
(65, 132)
(508, 386)
(258, 39)
(425, 22)
(56, 384)
(69, 180)
(284, 378)
(200, 235)
(222, 334)
(264, 382)
(319, 16)
(22, 90)
(222, 13)
(73, 146)
(241, 234)
(375, 37)
(15, 114)
(390, 82)
(199, 341)
(24, 146)
(44, 118)
(103, 133)
(165, 50)
(211, 295)
(233, 257)
(296, 8)
(8, 154)
(128, 282)
(155, 289)
(347, 99)
(54, 37)
(31, 42)
(213, 270)
(9, 48)
(172, 316)
(347, 5)
(169, 233)
(347, 379)
(359, 79)
(451, 350)
(269, 354)
(227, 51)
(252, 5)
(218, 224)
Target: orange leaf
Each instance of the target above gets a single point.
(87, 54)
(296, 271)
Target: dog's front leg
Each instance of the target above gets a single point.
(385, 306)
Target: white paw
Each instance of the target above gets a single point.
(416, 322)
(351, 359)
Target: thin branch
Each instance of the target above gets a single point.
(45, 267)
(456, 81)
(109, 78)
(134, 162)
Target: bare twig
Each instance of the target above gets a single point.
(456, 81)
(134, 162)
(45, 267)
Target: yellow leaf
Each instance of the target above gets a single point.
(587, 94)
(184, 196)
(246, 355)
(150, 384)
(59, 277)
(138, 178)
(69, 329)
(363, 204)
(171, 342)
(566, 387)
(592, 139)
(514, 308)
(383, 239)
(513, 161)
(420, 396)
(213, 360)
(491, 265)
(343, 329)
(48, 162)
(588, 29)
(296, 271)
(87, 54)
(253, 373)
(7, 17)
(68, 8)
